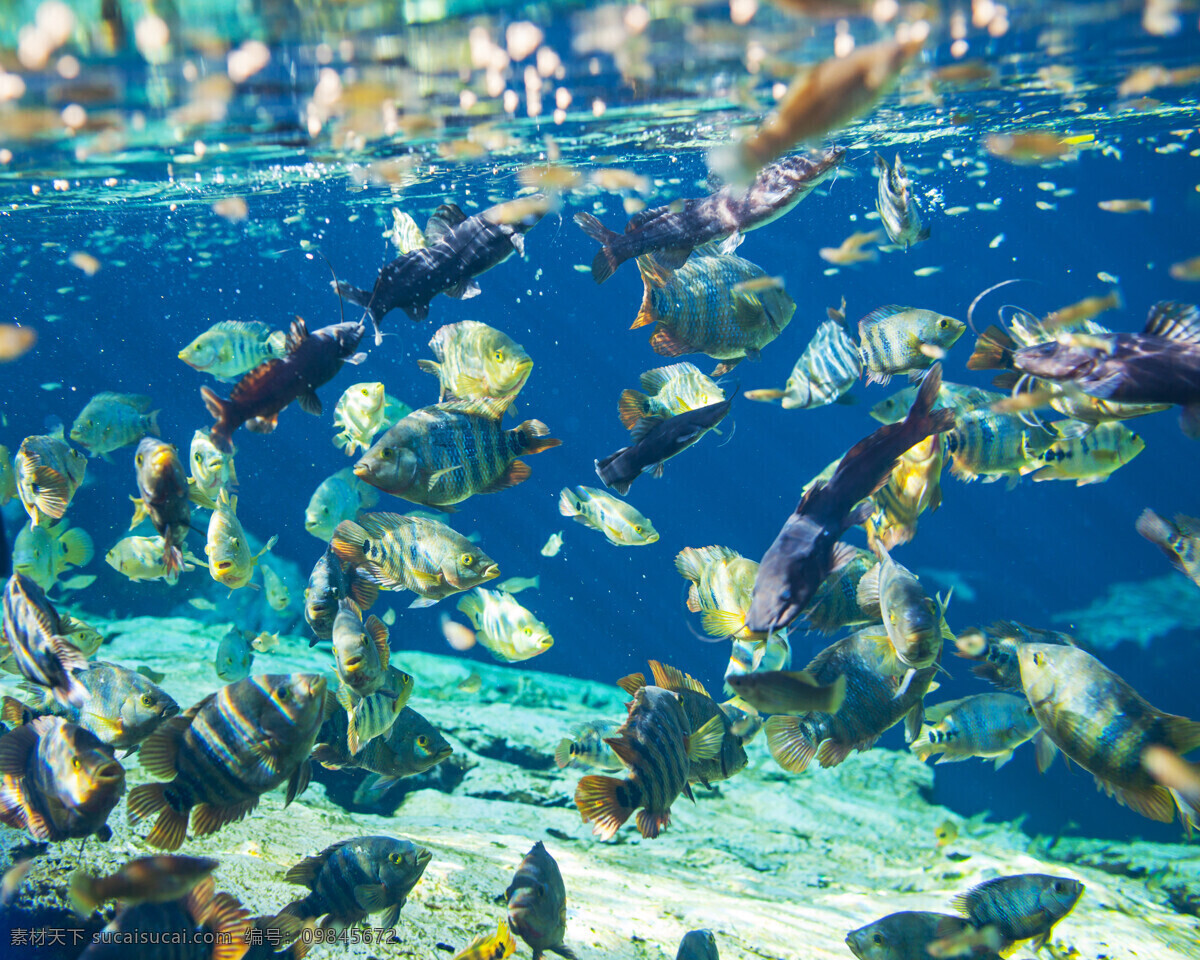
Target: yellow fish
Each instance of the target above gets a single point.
(229, 559)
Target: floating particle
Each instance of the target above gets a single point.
(1046, 185)
(15, 341)
(51, 386)
(85, 262)
(231, 208)
(926, 271)
(1043, 205)
(958, 211)
(996, 241)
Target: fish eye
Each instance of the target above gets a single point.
(284, 693)
(1039, 659)
(878, 938)
(140, 459)
(498, 356)
(637, 529)
(943, 323)
(147, 700)
(422, 741)
(199, 457)
(892, 616)
(388, 453)
(529, 631)
(466, 559)
(365, 392)
(75, 762)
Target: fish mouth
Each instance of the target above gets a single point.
(490, 571)
(362, 470)
(424, 857)
(652, 538)
(442, 754)
(310, 684)
(353, 664)
(109, 773)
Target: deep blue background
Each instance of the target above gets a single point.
(1038, 550)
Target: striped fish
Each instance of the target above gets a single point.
(225, 752)
(1023, 907)
(620, 522)
(352, 879)
(994, 650)
(372, 716)
(655, 743)
(32, 631)
(1180, 541)
(1098, 720)
(441, 455)
(951, 396)
(48, 472)
(994, 445)
(695, 308)
(988, 725)
(360, 650)
(477, 362)
(894, 339)
(537, 904)
(828, 367)
(412, 746)
(872, 706)
(669, 391)
(914, 486)
(722, 581)
(835, 604)
(232, 347)
(395, 552)
(1086, 458)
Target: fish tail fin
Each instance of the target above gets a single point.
(52, 491)
(994, 351)
(1153, 527)
(152, 423)
(790, 744)
(605, 262)
(562, 753)
(922, 420)
(78, 548)
(605, 802)
(1184, 734)
(631, 407)
(568, 503)
(536, 436)
(82, 892)
(651, 824)
(347, 542)
(170, 829)
(277, 343)
(218, 409)
(223, 915)
(172, 560)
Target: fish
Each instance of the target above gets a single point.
(32, 631)
(694, 308)
(443, 454)
(945, 833)
(48, 472)
(657, 746)
(852, 250)
(1098, 720)
(671, 233)
(829, 366)
(234, 656)
(655, 442)
(835, 603)
(1022, 907)
(991, 446)
(1126, 206)
(84, 637)
(1179, 541)
(490, 946)
(619, 521)
(904, 936)
(164, 497)
(1186, 269)
(358, 416)
(210, 471)
(15, 341)
(803, 553)
(994, 649)
(275, 590)
(515, 585)
(1027, 147)
(552, 545)
(1086, 459)
(373, 715)
(410, 747)
(914, 487)
(952, 396)
(312, 360)
(327, 585)
(1081, 312)
(774, 652)
(698, 945)
(338, 497)
(873, 704)
(395, 552)
(220, 925)
(459, 248)
(722, 581)
(898, 207)
(154, 879)
(817, 102)
(217, 770)
(788, 691)
(986, 725)
(668, 391)
(57, 781)
(110, 421)
(477, 362)
(586, 748)
(537, 904)
(8, 476)
(360, 649)
(43, 553)
(914, 622)
(351, 879)
(471, 683)
(230, 561)
(144, 558)
(230, 348)
(503, 627)
(459, 637)
(891, 338)
(14, 876)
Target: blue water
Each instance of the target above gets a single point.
(1029, 553)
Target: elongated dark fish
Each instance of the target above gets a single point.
(225, 752)
(312, 360)
(164, 497)
(803, 554)
(656, 442)
(33, 632)
(537, 904)
(671, 234)
(459, 249)
(142, 880)
(354, 878)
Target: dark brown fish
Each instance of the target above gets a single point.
(656, 745)
(804, 553)
(671, 233)
(871, 705)
(459, 249)
(313, 359)
(164, 488)
(537, 904)
(657, 441)
(142, 880)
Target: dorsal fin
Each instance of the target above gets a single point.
(671, 678)
(297, 334)
(632, 683)
(880, 313)
(1174, 321)
(445, 218)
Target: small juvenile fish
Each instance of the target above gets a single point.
(515, 585)
(230, 348)
(891, 337)
(851, 250)
(505, 628)
(986, 725)
(1186, 269)
(1023, 907)
(477, 362)
(552, 545)
(698, 945)
(616, 519)
(110, 421)
(1079, 313)
(457, 635)
(945, 833)
(1086, 459)
(234, 656)
(358, 416)
(142, 880)
(48, 472)
(668, 391)
(211, 471)
(898, 206)
(142, 558)
(45, 553)
(537, 904)
(587, 748)
(352, 879)
(782, 691)
(338, 497)
(1180, 541)
(228, 550)
(1027, 147)
(490, 946)
(1126, 206)
(164, 497)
